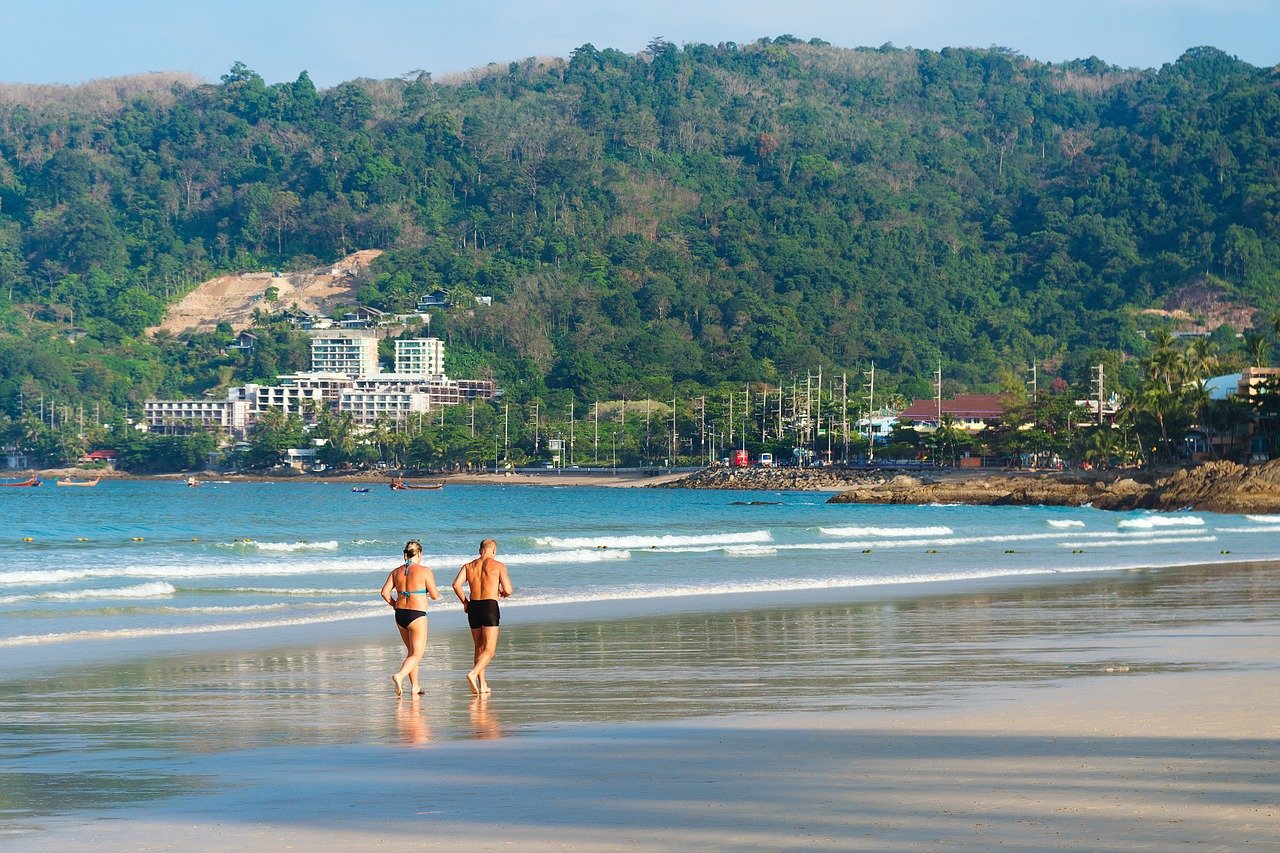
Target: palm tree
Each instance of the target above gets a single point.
(1258, 349)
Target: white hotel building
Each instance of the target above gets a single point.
(344, 376)
(180, 417)
(420, 357)
(349, 352)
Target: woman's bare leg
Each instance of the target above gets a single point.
(407, 639)
(415, 640)
(413, 676)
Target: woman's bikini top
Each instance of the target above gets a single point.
(422, 591)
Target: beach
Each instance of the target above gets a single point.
(1131, 709)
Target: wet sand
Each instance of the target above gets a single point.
(1141, 710)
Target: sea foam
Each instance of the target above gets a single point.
(1064, 522)
(1147, 522)
(885, 531)
(159, 589)
(654, 541)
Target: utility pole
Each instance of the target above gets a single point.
(764, 414)
(674, 446)
(937, 390)
(702, 423)
(1098, 382)
(746, 413)
(473, 417)
(871, 408)
(780, 390)
(595, 446)
(570, 430)
(844, 413)
(730, 433)
(535, 427)
(817, 427)
(506, 435)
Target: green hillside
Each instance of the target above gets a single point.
(694, 215)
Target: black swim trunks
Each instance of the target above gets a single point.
(483, 613)
(404, 616)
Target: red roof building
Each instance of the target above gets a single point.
(100, 456)
(973, 412)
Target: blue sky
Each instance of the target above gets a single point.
(68, 41)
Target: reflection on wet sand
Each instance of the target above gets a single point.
(905, 652)
(411, 719)
(484, 720)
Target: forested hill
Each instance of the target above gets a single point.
(703, 214)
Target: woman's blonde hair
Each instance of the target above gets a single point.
(412, 548)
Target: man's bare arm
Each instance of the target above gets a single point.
(457, 587)
(504, 583)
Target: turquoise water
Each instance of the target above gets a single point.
(157, 559)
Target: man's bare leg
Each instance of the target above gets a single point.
(477, 639)
(486, 640)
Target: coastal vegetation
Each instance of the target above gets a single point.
(690, 224)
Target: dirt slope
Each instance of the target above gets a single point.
(232, 298)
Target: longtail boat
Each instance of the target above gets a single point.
(88, 484)
(401, 485)
(33, 480)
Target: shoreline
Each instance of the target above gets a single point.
(28, 659)
(969, 721)
(606, 477)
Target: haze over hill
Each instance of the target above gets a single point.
(688, 216)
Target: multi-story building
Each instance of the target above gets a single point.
(294, 395)
(178, 417)
(350, 352)
(420, 357)
(440, 390)
(367, 406)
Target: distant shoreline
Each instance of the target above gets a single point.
(559, 477)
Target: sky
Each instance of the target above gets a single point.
(70, 41)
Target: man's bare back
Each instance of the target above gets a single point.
(486, 577)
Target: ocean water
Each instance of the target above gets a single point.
(157, 559)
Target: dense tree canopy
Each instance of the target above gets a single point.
(671, 220)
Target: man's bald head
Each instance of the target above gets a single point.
(488, 548)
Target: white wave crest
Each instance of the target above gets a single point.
(876, 544)
(159, 589)
(885, 531)
(137, 633)
(654, 541)
(282, 547)
(1264, 519)
(1272, 529)
(289, 590)
(1064, 522)
(750, 551)
(1148, 522)
(1148, 540)
(577, 556)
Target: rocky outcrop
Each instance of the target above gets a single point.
(1220, 487)
(778, 479)
(1212, 487)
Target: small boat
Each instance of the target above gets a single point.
(33, 480)
(401, 485)
(360, 490)
(88, 484)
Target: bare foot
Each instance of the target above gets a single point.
(395, 679)
(473, 683)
